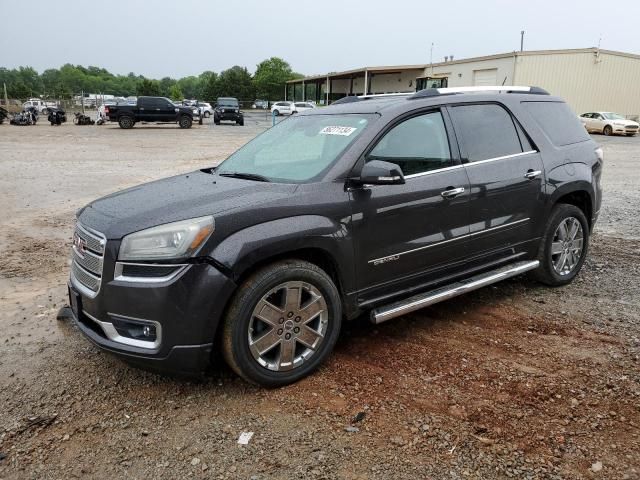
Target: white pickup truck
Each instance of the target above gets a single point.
(41, 105)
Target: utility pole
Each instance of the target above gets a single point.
(521, 40)
(431, 59)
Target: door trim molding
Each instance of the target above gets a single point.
(396, 256)
(504, 157)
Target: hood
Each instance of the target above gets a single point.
(190, 195)
(625, 122)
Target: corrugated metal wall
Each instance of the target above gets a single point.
(588, 83)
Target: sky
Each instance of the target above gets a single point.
(186, 37)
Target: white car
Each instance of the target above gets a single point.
(283, 108)
(205, 108)
(302, 106)
(609, 123)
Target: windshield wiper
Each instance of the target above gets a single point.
(246, 176)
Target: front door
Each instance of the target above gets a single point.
(506, 175)
(409, 234)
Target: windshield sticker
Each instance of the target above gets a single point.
(344, 131)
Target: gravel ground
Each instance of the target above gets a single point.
(515, 380)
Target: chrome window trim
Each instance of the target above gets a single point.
(119, 276)
(431, 172)
(494, 159)
(113, 335)
(395, 256)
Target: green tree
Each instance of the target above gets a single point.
(236, 82)
(209, 88)
(175, 93)
(148, 87)
(270, 77)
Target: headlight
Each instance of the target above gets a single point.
(619, 124)
(169, 241)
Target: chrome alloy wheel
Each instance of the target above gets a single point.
(288, 325)
(567, 246)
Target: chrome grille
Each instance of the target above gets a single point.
(87, 259)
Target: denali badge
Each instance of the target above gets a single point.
(391, 258)
(79, 244)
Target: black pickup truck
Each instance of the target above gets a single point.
(150, 110)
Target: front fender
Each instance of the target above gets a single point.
(245, 248)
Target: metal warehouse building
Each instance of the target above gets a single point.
(589, 79)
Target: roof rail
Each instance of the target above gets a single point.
(353, 98)
(433, 92)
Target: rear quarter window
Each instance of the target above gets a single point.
(558, 122)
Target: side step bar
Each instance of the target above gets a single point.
(411, 304)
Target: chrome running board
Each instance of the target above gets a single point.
(411, 304)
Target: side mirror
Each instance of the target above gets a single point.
(377, 172)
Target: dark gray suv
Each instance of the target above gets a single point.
(378, 205)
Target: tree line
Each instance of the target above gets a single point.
(63, 83)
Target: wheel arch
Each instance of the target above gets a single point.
(580, 198)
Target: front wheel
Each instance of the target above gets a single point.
(207, 114)
(185, 121)
(282, 324)
(607, 130)
(240, 121)
(276, 112)
(564, 246)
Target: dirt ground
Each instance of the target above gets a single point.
(512, 381)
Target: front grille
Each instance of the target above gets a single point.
(632, 127)
(87, 257)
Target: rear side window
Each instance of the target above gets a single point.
(485, 131)
(558, 122)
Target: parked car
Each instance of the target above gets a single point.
(205, 108)
(282, 108)
(302, 106)
(260, 104)
(228, 108)
(609, 123)
(382, 206)
(40, 105)
(151, 110)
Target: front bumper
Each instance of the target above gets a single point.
(185, 310)
(235, 116)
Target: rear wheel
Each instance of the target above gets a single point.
(564, 246)
(207, 114)
(607, 130)
(276, 112)
(126, 122)
(185, 121)
(282, 324)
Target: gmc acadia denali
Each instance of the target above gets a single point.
(375, 204)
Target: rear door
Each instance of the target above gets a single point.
(409, 234)
(506, 176)
(146, 109)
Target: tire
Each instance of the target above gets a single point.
(216, 121)
(607, 130)
(307, 285)
(207, 114)
(241, 121)
(276, 112)
(185, 121)
(552, 241)
(126, 122)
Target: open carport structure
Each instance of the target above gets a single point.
(324, 89)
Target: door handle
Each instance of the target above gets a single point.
(531, 174)
(452, 192)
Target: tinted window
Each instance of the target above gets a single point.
(417, 145)
(558, 121)
(485, 131)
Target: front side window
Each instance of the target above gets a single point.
(417, 145)
(485, 131)
(298, 149)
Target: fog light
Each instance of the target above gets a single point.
(146, 331)
(137, 330)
